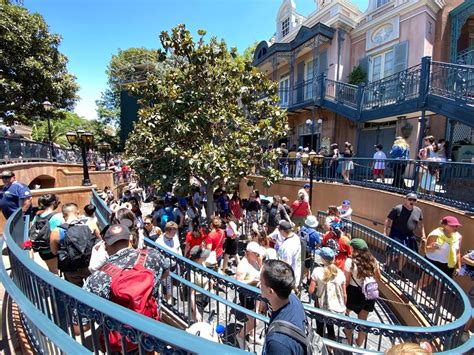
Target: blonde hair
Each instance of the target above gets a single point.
(402, 143)
(170, 225)
(407, 348)
(330, 270)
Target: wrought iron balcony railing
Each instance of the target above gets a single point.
(465, 57)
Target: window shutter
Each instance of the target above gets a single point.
(400, 51)
(323, 62)
(364, 65)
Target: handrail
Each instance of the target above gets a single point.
(152, 335)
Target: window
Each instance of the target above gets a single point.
(382, 65)
(285, 27)
(284, 91)
(382, 2)
(309, 77)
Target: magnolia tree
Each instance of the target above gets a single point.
(206, 118)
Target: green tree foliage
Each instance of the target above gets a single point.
(357, 76)
(31, 66)
(206, 118)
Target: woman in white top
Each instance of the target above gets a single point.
(329, 283)
(198, 301)
(231, 242)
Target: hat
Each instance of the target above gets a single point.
(411, 195)
(300, 148)
(254, 247)
(346, 203)
(211, 260)
(115, 233)
(379, 146)
(198, 252)
(451, 221)
(306, 186)
(311, 221)
(358, 244)
(285, 225)
(7, 174)
(326, 253)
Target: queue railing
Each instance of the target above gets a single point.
(447, 324)
(439, 181)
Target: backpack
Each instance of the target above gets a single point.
(274, 215)
(370, 288)
(311, 341)
(76, 248)
(167, 216)
(132, 289)
(39, 232)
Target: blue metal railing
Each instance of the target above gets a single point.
(446, 325)
(466, 56)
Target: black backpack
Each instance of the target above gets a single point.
(311, 341)
(39, 232)
(76, 247)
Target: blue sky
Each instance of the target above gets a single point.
(93, 30)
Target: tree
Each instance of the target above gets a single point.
(31, 67)
(357, 76)
(206, 118)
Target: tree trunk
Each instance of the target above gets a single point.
(210, 202)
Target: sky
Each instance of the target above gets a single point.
(93, 30)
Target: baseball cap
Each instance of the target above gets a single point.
(285, 225)
(451, 221)
(306, 185)
(198, 252)
(358, 244)
(7, 174)
(346, 203)
(254, 247)
(116, 232)
(412, 195)
(326, 253)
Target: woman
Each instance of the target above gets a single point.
(47, 203)
(265, 243)
(334, 160)
(169, 240)
(198, 301)
(195, 237)
(215, 239)
(235, 206)
(443, 246)
(428, 172)
(300, 209)
(333, 216)
(339, 242)
(231, 242)
(149, 230)
(361, 265)
(400, 152)
(347, 164)
(190, 214)
(329, 283)
(252, 211)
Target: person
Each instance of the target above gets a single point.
(443, 246)
(290, 250)
(378, 165)
(359, 266)
(285, 202)
(199, 301)
(277, 280)
(299, 164)
(305, 191)
(231, 242)
(424, 348)
(149, 230)
(338, 241)
(313, 241)
(191, 213)
(235, 205)
(300, 209)
(328, 283)
(347, 163)
(333, 215)
(74, 271)
(333, 168)
(276, 236)
(47, 204)
(275, 213)
(345, 210)
(291, 160)
(400, 152)
(428, 152)
(215, 239)
(442, 150)
(169, 240)
(90, 219)
(248, 272)
(252, 210)
(14, 195)
(195, 237)
(283, 162)
(264, 241)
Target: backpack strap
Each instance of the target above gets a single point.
(291, 330)
(111, 269)
(143, 253)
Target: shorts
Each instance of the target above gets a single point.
(298, 221)
(247, 301)
(356, 300)
(47, 255)
(309, 260)
(202, 301)
(442, 266)
(231, 246)
(378, 171)
(409, 241)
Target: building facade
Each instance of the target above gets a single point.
(390, 37)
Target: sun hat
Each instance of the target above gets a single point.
(451, 221)
(255, 248)
(7, 174)
(311, 221)
(358, 244)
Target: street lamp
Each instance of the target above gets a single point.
(105, 149)
(47, 108)
(84, 140)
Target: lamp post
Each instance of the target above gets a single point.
(105, 149)
(84, 140)
(47, 108)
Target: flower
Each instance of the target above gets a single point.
(27, 244)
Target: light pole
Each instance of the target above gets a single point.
(105, 149)
(47, 108)
(84, 140)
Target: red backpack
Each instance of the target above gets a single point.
(132, 289)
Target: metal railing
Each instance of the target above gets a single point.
(49, 306)
(449, 183)
(465, 57)
(452, 81)
(447, 323)
(342, 93)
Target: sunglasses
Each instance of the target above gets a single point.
(147, 223)
(412, 199)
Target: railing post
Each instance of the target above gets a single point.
(424, 80)
(360, 99)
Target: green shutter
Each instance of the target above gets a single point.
(400, 52)
(323, 60)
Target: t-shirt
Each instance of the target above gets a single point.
(300, 208)
(441, 254)
(275, 214)
(171, 244)
(354, 276)
(404, 221)
(10, 197)
(192, 242)
(330, 295)
(341, 247)
(277, 237)
(379, 160)
(231, 230)
(54, 222)
(270, 254)
(234, 206)
(290, 252)
(249, 272)
(277, 343)
(216, 239)
(347, 214)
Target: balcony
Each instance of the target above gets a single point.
(466, 56)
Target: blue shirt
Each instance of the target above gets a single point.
(279, 344)
(10, 197)
(312, 237)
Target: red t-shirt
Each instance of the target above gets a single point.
(343, 246)
(300, 208)
(192, 242)
(216, 238)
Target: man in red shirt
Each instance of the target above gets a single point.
(300, 209)
(339, 243)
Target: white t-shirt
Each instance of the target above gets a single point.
(231, 229)
(290, 252)
(332, 290)
(250, 272)
(354, 276)
(347, 214)
(270, 254)
(277, 237)
(171, 244)
(380, 157)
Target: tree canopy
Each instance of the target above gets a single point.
(205, 118)
(32, 69)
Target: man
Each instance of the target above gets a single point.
(276, 237)
(283, 159)
(305, 191)
(291, 160)
(14, 195)
(345, 210)
(290, 249)
(313, 240)
(75, 272)
(277, 280)
(276, 213)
